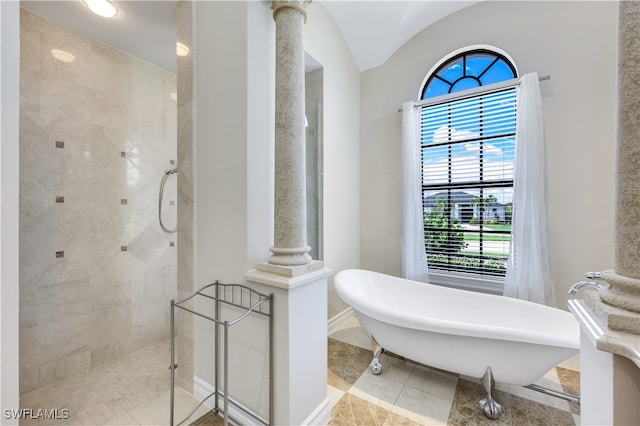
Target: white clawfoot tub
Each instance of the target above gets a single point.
(464, 332)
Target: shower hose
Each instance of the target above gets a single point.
(164, 179)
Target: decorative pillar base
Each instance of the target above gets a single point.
(299, 340)
(290, 271)
(290, 256)
(624, 292)
(610, 316)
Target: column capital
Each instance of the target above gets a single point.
(300, 5)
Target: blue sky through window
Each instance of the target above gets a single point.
(470, 139)
(465, 138)
(466, 71)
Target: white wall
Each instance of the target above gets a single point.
(220, 155)
(9, 113)
(341, 185)
(233, 167)
(575, 43)
(234, 132)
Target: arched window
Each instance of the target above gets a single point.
(467, 70)
(467, 130)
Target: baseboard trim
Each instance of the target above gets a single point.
(241, 415)
(321, 415)
(335, 321)
(238, 413)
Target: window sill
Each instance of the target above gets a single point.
(462, 282)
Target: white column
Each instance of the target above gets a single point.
(621, 307)
(627, 214)
(610, 319)
(290, 250)
(625, 277)
(299, 345)
(596, 393)
(298, 283)
(290, 222)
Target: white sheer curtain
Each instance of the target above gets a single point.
(528, 274)
(414, 264)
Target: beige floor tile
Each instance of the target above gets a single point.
(465, 409)
(435, 382)
(572, 363)
(131, 391)
(422, 407)
(383, 389)
(370, 388)
(79, 417)
(124, 420)
(346, 364)
(352, 410)
(526, 412)
(570, 381)
(210, 419)
(549, 381)
(427, 395)
(134, 391)
(334, 395)
(156, 411)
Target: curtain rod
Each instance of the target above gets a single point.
(459, 95)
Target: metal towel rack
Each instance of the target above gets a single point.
(250, 302)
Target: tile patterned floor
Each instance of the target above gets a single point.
(410, 394)
(131, 391)
(134, 391)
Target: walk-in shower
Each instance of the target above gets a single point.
(96, 271)
(167, 173)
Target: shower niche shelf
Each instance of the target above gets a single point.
(224, 306)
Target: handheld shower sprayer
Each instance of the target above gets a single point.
(167, 173)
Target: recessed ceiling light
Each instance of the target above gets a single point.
(62, 55)
(182, 49)
(102, 7)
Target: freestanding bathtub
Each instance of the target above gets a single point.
(479, 335)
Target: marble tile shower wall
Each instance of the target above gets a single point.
(96, 270)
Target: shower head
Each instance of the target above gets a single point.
(170, 171)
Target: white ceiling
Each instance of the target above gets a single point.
(146, 29)
(374, 30)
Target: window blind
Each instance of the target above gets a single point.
(467, 181)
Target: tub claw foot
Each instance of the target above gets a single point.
(375, 366)
(490, 406)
